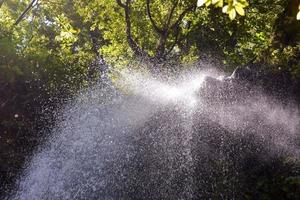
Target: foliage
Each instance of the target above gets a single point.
(63, 30)
(51, 43)
(231, 8)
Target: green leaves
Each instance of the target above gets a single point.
(72, 32)
(240, 10)
(201, 2)
(217, 3)
(232, 8)
(68, 35)
(230, 11)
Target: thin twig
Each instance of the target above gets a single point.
(133, 45)
(21, 17)
(156, 28)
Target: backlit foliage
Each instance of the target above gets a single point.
(230, 7)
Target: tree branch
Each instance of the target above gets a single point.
(175, 42)
(182, 15)
(171, 14)
(25, 12)
(132, 44)
(175, 26)
(156, 28)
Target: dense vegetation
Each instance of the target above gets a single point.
(51, 49)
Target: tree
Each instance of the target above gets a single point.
(167, 29)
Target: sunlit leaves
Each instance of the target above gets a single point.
(50, 45)
(62, 30)
(68, 35)
(200, 2)
(6, 19)
(230, 10)
(240, 10)
(217, 3)
(232, 7)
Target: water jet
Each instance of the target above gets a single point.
(184, 139)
